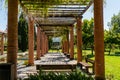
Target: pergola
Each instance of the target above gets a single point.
(52, 19)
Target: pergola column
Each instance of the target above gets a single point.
(67, 43)
(38, 43)
(42, 47)
(71, 43)
(2, 43)
(62, 47)
(12, 46)
(79, 39)
(31, 40)
(44, 43)
(99, 40)
(47, 44)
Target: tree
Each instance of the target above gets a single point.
(112, 36)
(87, 32)
(109, 40)
(22, 33)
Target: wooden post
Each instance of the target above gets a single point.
(79, 39)
(38, 43)
(62, 47)
(31, 40)
(99, 40)
(67, 43)
(45, 44)
(2, 44)
(12, 46)
(42, 47)
(71, 43)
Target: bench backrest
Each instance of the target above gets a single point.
(90, 61)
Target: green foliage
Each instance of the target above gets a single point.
(77, 75)
(22, 33)
(87, 34)
(45, 4)
(112, 36)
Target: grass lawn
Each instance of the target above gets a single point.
(112, 67)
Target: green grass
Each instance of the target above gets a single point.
(112, 67)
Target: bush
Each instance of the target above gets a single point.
(77, 75)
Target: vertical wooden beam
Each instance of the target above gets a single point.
(31, 40)
(12, 47)
(62, 47)
(71, 43)
(99, 40)
(67, 42)
(44, 43)
(2, 44)
(38, 43)
(79, 39)
(47, 44)
(42, 47)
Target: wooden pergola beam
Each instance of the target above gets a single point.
(57, 7)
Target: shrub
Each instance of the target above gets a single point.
(77, 75)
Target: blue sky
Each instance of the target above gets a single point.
(111, 7)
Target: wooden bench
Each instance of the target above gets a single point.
(56, 67)
(85, 66)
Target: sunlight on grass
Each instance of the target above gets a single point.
(112, 67)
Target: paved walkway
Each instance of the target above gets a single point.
(49, 58)
(55, 58)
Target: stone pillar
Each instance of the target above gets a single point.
(38, 43)
(31, 41)
(12, 46)
(79, 39)
(71, 43)
(2, 43)
(99, 40)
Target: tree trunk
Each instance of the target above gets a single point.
(110, 49)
